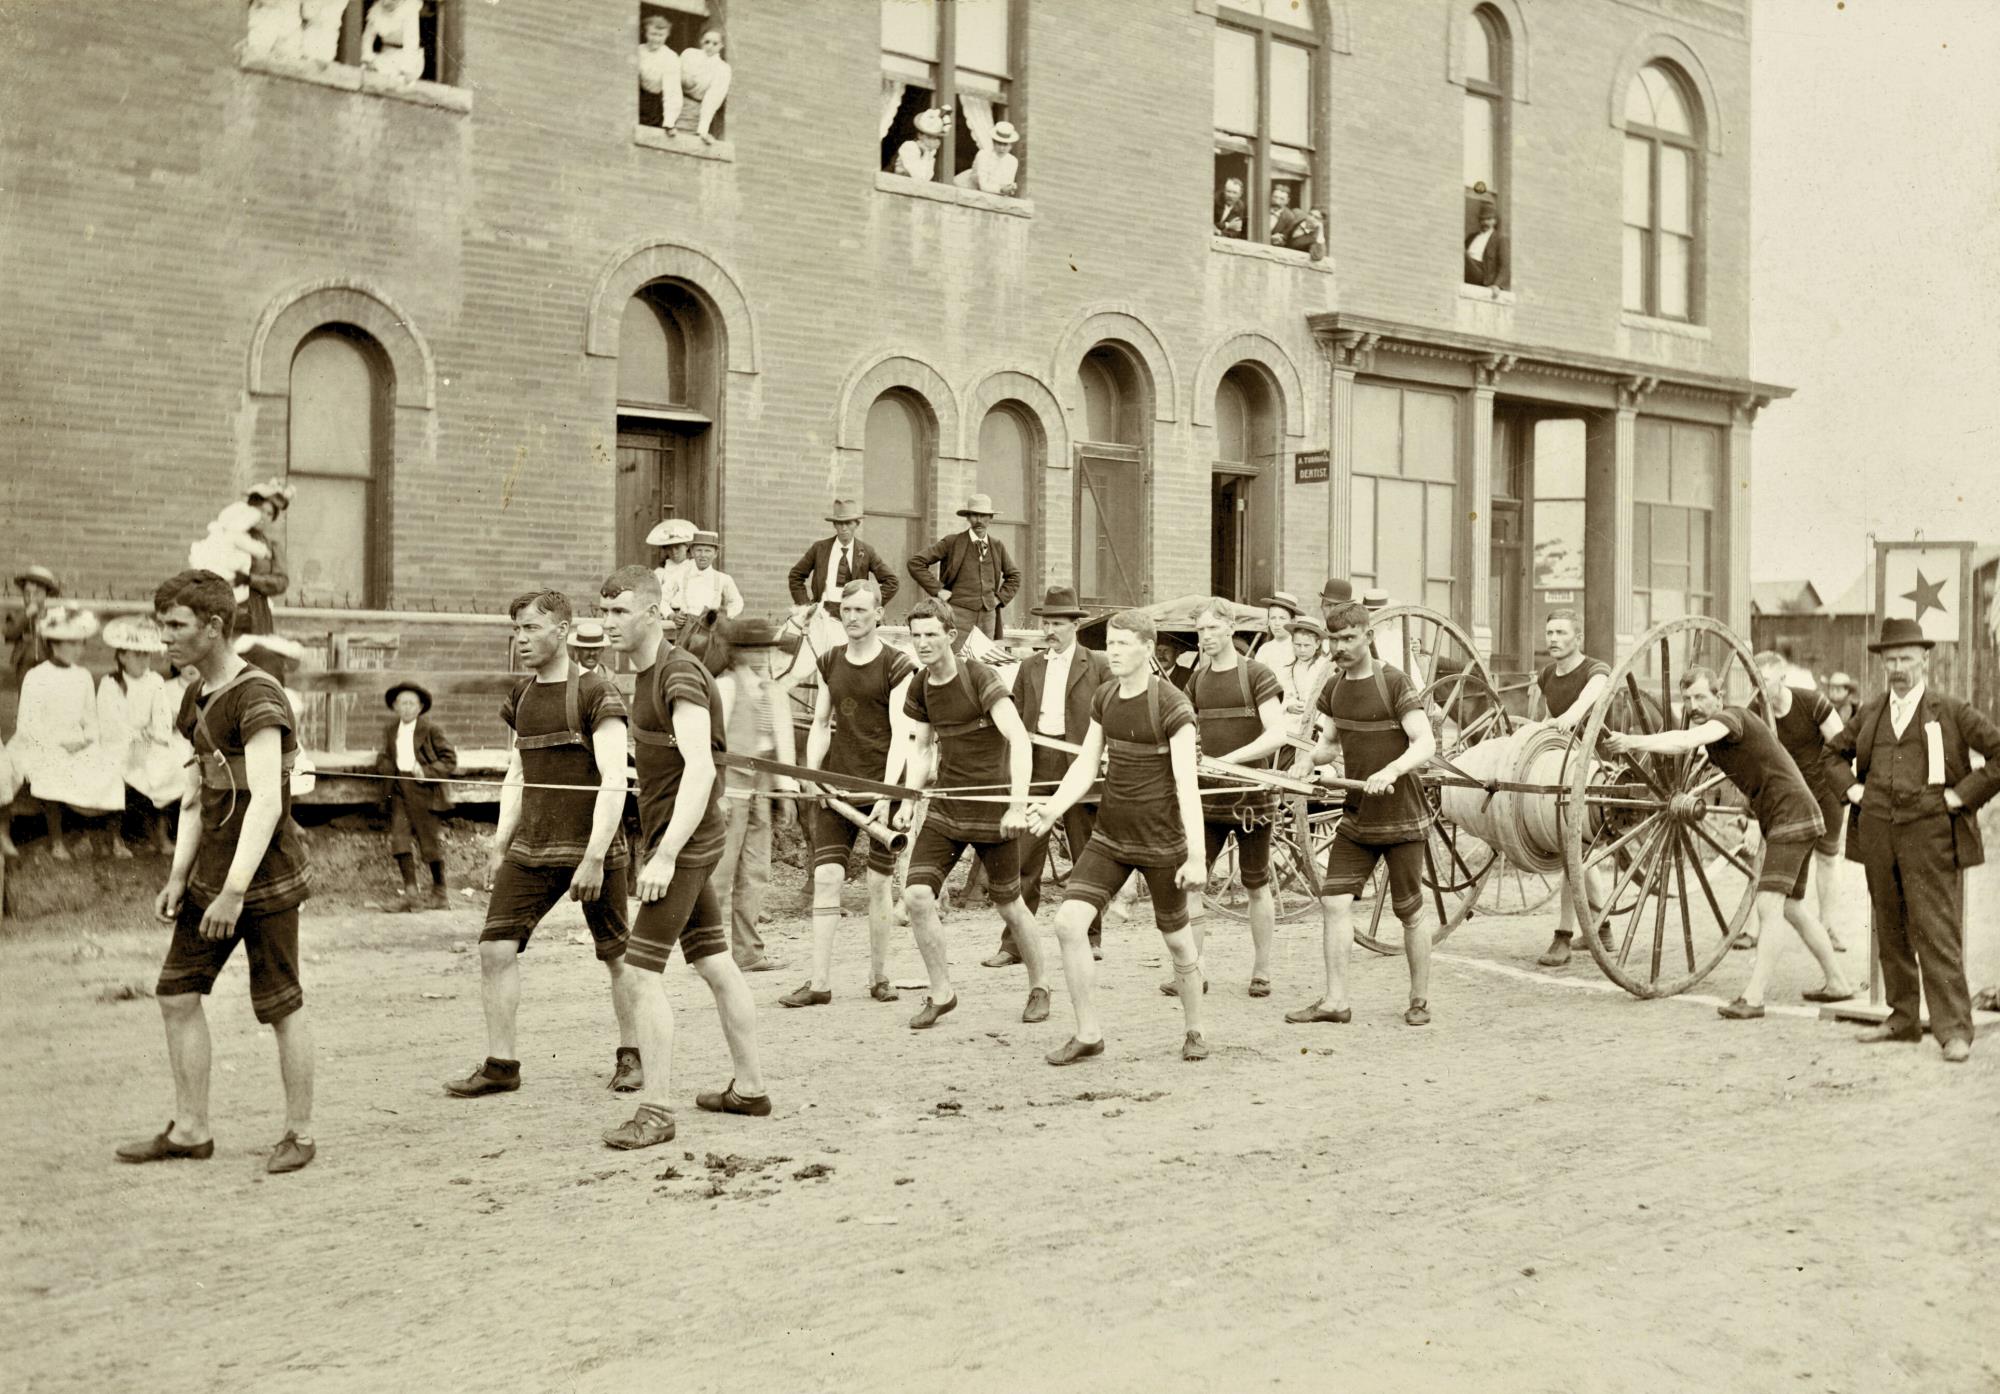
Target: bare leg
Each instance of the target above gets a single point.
(1079, 967)
(58, 847)
(1027, 939)
(1818, 943)
(188, 1054)
(827, 881)
(295, 1067)
(1823, 885)
(922, 901)
(1187, 975)
(500, 994)
(1336, 917)
(738, 1011)
(881, 916)
(621, 1000)
(653, 1023)
(1263, 929)
(1770, 918)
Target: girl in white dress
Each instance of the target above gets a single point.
(130, 710)
(1274, 651)
(56, 740)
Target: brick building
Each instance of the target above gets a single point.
(493, 329)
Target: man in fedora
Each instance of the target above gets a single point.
(1334, 594)
(818, 579)
(1052, 691)
(995, 169)
(417, 757)
(1913, 824)
(974, 574)
(704, 587)
(22, 632)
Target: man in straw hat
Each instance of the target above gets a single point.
(1053, 692)
(861, 685)
(238, 876)
(1913, 824)
(703, 587)
(57, 740)
(418, 757)
(819, 578)
(995, 169)
(38, 586)
(971, 571)
(587, 641)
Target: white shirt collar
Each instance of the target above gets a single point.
(1903, 709)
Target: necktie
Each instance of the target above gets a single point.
(846, 573)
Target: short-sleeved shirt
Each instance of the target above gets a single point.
(676, 676)
(858, 698)
(1368, 715)
(1800, 734)
(555, 823)
(251, 703)
(1139, 816)
(1219, 706)
(1560, 690)
(1757, 764)
(971, 748)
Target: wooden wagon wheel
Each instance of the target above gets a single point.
(1655, 844)
(1459, 867)
(1294, 878)
(1425, 644)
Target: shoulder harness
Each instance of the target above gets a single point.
(1341, 723)
(220, 771)
(1140, 748)
(962, 728)
(572, 734)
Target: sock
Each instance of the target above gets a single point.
(437, 873)
(502, 1068)
(409, 870)
(624, 1051)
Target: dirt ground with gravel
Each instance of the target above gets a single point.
(1553, 1187)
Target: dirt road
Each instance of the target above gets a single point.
(1550, 1188)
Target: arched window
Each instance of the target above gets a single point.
(897, 464)
(338, 459)
(1242, 484)
(1112, 561)
(669, 396)
(1662, 193)
(1486, 145)
(1265, 52)
(1009, 452)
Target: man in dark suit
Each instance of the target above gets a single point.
(1486, 252)
(1913, 825)
(974, 575)
(817, 578)
(1052, 691)
(415, 752)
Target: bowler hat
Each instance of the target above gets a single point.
(1336, 591)
(844, 511)
(1058, 603)
(1283, 600)
(42, 574)
(407, 685)
(981, 504)
(1901, 634)
(587, 633)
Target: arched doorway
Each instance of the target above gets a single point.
(1112, 561)
(1242, 484)
(669, 401)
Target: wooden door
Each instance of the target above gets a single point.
(1111, 560)
(646, 470)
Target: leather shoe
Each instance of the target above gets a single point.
(1319, 1011)
(1740, 1010)
(1006, 958)
(1194, 1047)
(1557, 954)
(1038, 1005)
(480, 1082)
(289, 1155)
(882, 992)
(1419, 1013)
(1877, 1035)
(1074, 1051)
(649, 1127)
(1171, 988)
(729, 1101)
(164, 1149)
(1958, 1050)
(762, 965)
(804, 996)
(928, 1014)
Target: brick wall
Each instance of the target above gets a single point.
(165, 205)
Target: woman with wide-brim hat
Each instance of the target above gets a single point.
(268, 577)
(1280, 609)
(137, 732)
(57, 741)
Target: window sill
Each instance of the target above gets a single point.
(1491, 295)
(950, 193)
(346, 77)
(1258, 251)
(674, 143)
(1676, 328)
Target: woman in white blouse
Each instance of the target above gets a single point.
(1275, 650)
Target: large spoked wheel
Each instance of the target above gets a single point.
(1459, 867)
(1652, 836)
(1294, 882)
(1426, 644)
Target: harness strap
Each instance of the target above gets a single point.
(963, 728)
(1244, 706)
(572, 718)
(1138, 748)
(220, 771)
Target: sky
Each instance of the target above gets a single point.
(1875, 279)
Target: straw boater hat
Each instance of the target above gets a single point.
(1306, 624)
(587, 634)
(41, 574)
(981, 504)
(1336, 591)
(63, 622)
(134, 634)
(1005, 134)
(1284, 600)
(844, 511)
(265, 649)
(1375, 598)
(1901, 634)
(407, 685)
(671, 532)
(704, 538)
(275, 490)
(1058, 603)
(747, 633)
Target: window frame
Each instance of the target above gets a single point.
(378, 522)
(1652, 235)
(1450, 570)
(1493, 93)
(447, 53)
(1256, 197)
(1034, 454)
(945, 92)
(916, 525)
(1697, 602)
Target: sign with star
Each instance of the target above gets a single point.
(1925, 582)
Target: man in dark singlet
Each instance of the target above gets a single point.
(1808, 724)
(1743, 747)
(858, 685)
(1374, 716)
(676, 731)
(1569, 686)
(551, 842)
(1148, 821)
(963, 708)
(238, 876)
(1240, 713)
